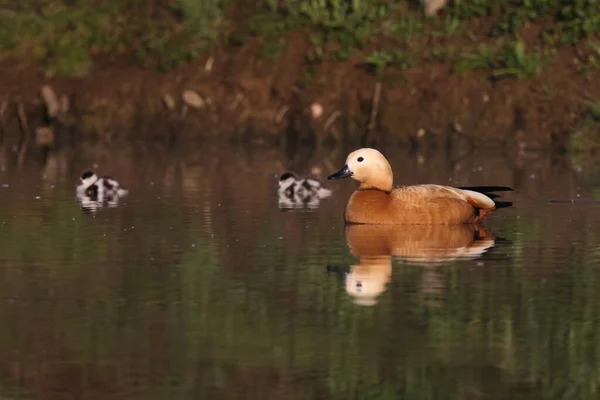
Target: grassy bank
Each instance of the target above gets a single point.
(524, 70)
(506, 37)
(66, 35)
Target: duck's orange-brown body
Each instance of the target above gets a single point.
(421, 204)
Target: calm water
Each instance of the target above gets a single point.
(199, 286)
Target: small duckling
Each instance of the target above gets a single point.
(287, 185)
(294, 190)
(99, 188)
(290, 183)
(113, 188)
(93, 192)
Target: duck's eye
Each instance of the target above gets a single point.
(360, 159)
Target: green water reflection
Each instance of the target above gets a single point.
(198, 286)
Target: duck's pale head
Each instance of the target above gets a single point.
(369, 167)
(88, 178)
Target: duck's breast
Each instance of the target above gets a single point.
(369, 206)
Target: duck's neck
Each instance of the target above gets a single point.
(383, 183)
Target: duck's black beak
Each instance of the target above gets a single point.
(342, 173)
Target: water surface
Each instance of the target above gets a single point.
(197, 285)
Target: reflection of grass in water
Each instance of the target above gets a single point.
(490, 321)
(76, 290)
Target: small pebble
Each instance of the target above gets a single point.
(316, 110)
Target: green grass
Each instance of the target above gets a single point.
(511, 60)
(591, 118)
(274, 50)
(204, 17)
(379, 61)
(405, 27)
(592, 60)
(66, 35)
(483, 57)
(516, 62)
(584, 143)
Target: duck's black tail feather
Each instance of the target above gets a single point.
(503, 204)
(487, 190)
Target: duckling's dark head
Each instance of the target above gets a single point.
(287, 180)
(287, 175)
(88, 178)
(87, 174)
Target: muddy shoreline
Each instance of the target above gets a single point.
(242, 97)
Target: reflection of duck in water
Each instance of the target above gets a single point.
(375, 245)
(369, 279)
(93, 191)
(376, 201)
(297, 192)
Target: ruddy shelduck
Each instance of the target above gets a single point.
(377, 201)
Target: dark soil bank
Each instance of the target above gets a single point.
(263, 100)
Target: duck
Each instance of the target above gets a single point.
(297, 192)
(99, 188)
(377, 201)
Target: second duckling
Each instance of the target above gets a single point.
(97, 188)
(300, 191)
